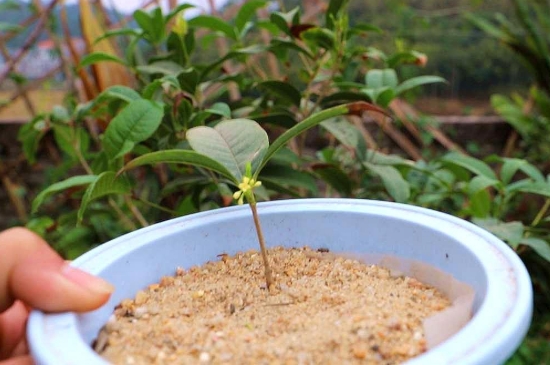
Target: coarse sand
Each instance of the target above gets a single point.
(323, 309)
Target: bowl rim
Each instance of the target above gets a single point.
(479, 339)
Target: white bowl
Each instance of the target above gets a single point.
(502, 307)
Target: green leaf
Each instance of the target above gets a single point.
(333, 175)
(379, 158)
(221, 109)
(279, 45)
(417, 81)
(363, 28)
(286, 156)
(119, 32)
(30, 137)
(189, 79)
(516, 186)
(532, 172)
(283, 90)
(480, 204)
(178, 10)
(487, 27)
(64, 137)
(479, 183)
(60, 186)
(511, 232)
(267, 25)
(347, 134)
(509, 168)
(176, 45)
(342, 97)
(145, 21)
(185, 157)
(96, 57)
(151, 89)
(280, 21)
(384, 97)
(406, 57)
(106, 183)
(215, 24)
(285, 120)
(182, 183)
(161, 67)
(135, 123)
(120, 92)
(40, 225)
(158, 25)
(540, 246)
(232, 143)
(376, 79)
(313, 120)
(289, 177)
(540, 188)
(397, 187)
(247, 10)
(253, 49)
(60, 114)
(471, 164)
(511, 165)
(513, 114)
(333, 9)
(152, 24)
(321, 37)
(72, 236)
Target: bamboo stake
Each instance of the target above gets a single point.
(367, 136)
(407, 114)
(402, 141)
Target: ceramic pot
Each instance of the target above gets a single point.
(502, 307)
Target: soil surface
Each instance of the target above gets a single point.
(323, 309)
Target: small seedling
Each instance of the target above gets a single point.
(238, 149)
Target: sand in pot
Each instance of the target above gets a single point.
(324, 309)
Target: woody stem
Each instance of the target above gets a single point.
(268, 275)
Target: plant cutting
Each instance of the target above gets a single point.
(237, 150)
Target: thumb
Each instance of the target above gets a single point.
(32, 272)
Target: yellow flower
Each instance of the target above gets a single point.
(246, 186)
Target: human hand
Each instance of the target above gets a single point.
(32, 275)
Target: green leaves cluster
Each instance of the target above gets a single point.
(526, 33)
(180, 139)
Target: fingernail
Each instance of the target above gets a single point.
(87, 281)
